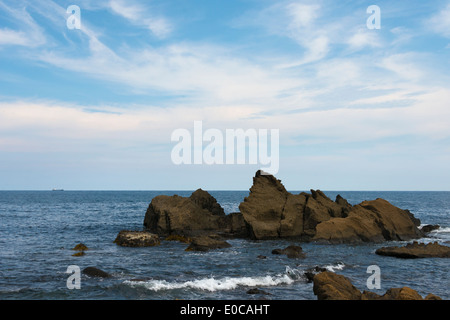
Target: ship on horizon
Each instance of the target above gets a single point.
(57, 189)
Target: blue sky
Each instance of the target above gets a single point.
(94, 108)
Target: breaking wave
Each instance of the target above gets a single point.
(226, 283)
(334, 267)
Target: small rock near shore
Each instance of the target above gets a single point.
(127, 238)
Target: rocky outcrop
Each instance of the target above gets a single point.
(416, 250)
(127, 238)
(196, 215)
(331, 286)
(270, 211)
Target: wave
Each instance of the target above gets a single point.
(226, 283)
(333, 268)
(441, 230)
(212, 284)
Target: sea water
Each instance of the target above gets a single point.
(39, 228)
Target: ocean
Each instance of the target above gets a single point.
(39, 228)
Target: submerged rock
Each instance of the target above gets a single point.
(311, 272)
(80, 248)
(291, 252)
(257, 291)
(429, 227)
(416, 250)
(206, 243)
(331, 286)
(127, 238)
(95, 272)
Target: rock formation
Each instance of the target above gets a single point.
(272, 212)
(416, 250)
(331, 286)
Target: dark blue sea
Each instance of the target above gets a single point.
(39, 228)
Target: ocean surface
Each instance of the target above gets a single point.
(39, 228)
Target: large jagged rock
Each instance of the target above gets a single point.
(416, 250)
(263, 208)
(196, 215)
(331, 286)
(270, 211)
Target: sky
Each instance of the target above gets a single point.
(95, 107)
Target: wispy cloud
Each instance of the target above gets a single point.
(440, 22)
(140, 16)
(325, 80)
(28, 32)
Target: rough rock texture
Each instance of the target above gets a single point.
(191, 216)
(206, 243)
(263, 209)
(416, 250)
(272, 212)
(291, 252)
(127, 238)
(206, 201)
(375, 220)
(404, 293)
(331, 286)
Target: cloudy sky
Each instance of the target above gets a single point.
(94, 108)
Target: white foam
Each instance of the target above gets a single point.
(333, 268)
(212, 284)
(441, 230)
